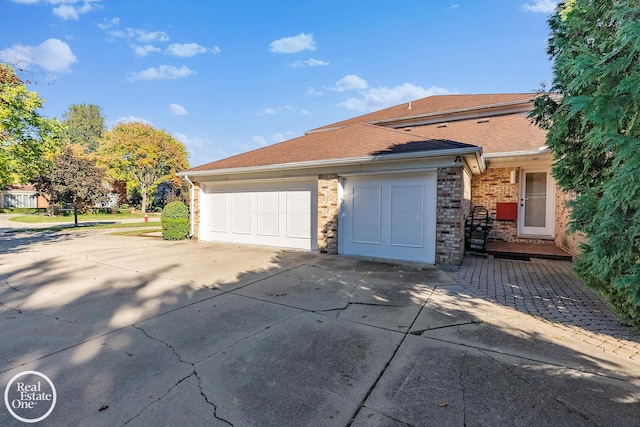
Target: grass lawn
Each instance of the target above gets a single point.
(147, 227)
(39, 219)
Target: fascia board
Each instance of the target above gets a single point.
(338, 162)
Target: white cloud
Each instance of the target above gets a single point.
(279, 136)
(269, 110)
(259, 140)
(216, 50)
(312, 91)
(311, 62)
(51, 55)
(293, 44)
(163, 72)
(131, 119)
(109, 23)
(184, 50)
(144, 36)
(350, 82)
(382, 97)
(145, 50)
(543, 6)
(454, 6)
(67, 9)
(305, 112)
(177, 110)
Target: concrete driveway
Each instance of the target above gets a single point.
(139, 331)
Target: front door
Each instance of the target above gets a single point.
(537, 203)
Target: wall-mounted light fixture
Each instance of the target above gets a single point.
(513, 177)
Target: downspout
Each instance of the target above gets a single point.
(192, 210)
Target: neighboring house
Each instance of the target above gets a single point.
(396, 183)
(21, 196)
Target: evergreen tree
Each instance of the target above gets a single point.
(85, 125)
(593, 123)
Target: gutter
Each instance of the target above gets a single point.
(192, 210)
(477, 151)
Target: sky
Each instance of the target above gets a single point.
(225, 77)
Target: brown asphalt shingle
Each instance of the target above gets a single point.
(435, 104)
(356, 137)
(355, 141)
(498, 134)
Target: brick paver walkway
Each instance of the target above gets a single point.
(549, 290)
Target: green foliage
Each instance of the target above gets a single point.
(84, 125)
(27, 139)
(594, 131)
(143, 156)
(175, 221)
(73, 179)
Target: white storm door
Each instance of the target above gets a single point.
(537, 203)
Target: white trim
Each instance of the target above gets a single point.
(389, 172)
(338, 162)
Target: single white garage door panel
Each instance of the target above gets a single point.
(389, 216)
(272, 214)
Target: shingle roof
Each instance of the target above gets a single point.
(435, 104)
(498, 134)
(356, 137)
(360, 140)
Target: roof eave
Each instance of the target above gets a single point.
(476, 151)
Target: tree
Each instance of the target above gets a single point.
(594, 132)
(144, 156)
(85, 125)
(27, 139)
(73, 179)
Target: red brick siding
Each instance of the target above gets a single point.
(328, 186)
(450, 216)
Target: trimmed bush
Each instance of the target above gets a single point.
(175, 221)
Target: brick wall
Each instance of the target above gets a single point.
(493, 187)
(570, 242)
(196, 213)
(450, 216)
(328, 214)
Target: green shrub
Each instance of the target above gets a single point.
(175, 221)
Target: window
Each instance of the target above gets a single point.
(19, 200)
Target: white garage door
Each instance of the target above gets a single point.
(389, 216)
(273, 214)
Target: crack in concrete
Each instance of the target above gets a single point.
(159, 398)
(372, 304)
(542, 394)
(386, 366)
(48, 316)
(545, 362)
(249, 336)
(570, 408)
(404, 423)
(193, 373)
(422, 331)
(6, 282)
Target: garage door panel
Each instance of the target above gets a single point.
(218, 212)
(299, 212)
(407, 216)
(276, 214)
(366, 204)
(268, 213)
(389, 216)
(241, 212)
